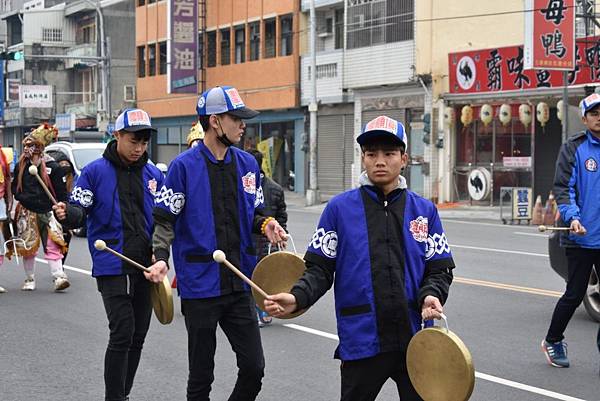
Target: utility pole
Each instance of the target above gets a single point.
(312, 195)
(103, 112)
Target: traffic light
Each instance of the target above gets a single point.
(427, 128)
(12, 55)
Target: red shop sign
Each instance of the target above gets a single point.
(503, 69)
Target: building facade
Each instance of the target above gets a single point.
(479, 70)
(365, 67)
(60, 60)
(251, 45)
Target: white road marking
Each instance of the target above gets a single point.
(479, 375)
(477, 248)
(67, 267)
(477, 223)
(531, 234)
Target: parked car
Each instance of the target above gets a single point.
(558, 262)
(80, 154)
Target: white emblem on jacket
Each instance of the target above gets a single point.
(325, 241)
(84, 197)
(174, 201)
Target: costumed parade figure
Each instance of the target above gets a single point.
(35, 222)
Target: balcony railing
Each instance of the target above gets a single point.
(85, 49)
(81, 110)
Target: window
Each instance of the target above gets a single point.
(225, 46)
(240, 44)
(287, 35)
(162, 60)
(51, 35)
(152, 59)
(270, 38)
(141, 60)
(141, 2)
(254, 40)
(86, 34)
(339, 28)
(151, 1)
(211, 44)
(379, 21)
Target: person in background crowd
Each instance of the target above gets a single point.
(64, 162)
(5, 203)
(275, 206)
(576, 186)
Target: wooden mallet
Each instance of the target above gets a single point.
(162, 297)
(101, 246)
(219, 257)
(552, 228)
(34, 171)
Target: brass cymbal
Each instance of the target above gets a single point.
(440, 366)
(162, 301)
(276, 273)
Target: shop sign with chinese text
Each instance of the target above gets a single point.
(34, 96)
(549, 34)
(503, 69)
(183, 46)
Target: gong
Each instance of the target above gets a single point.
(162, 301)
(439, 365)
(275, 273)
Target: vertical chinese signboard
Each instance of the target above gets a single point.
(550, 34)
(183, 48)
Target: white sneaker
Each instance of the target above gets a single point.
(61, 282)
(28, 284)
(2, 290)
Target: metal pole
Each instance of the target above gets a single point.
(312, 196)
(565, 110)
(107, 63)
(96, 5)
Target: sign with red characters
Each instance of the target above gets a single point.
(503, 69)
(550, 34)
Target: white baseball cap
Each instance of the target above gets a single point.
(223, 99)
(133, 120)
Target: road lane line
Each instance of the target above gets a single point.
(531, 234)
(476, 223)
(510, 287)
(67, 267)
(477, 248)
(526, 387)
(482, 376)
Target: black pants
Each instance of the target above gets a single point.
(363, 379)
(236, 315)
(129, 310)
(580, 262)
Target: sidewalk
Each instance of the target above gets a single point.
(456, 211)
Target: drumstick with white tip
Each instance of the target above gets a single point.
(101, 246)
(34, 171)
(219, 257)
(551, 228)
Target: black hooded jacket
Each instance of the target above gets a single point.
(32, 196)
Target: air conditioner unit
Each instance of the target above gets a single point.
(129, 93)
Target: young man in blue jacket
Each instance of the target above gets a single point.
(115, 196)
(386, 251)
(577, 191)
(212, 199)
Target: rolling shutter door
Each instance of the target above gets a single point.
(330, 154)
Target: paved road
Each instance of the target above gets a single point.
(52, 345)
